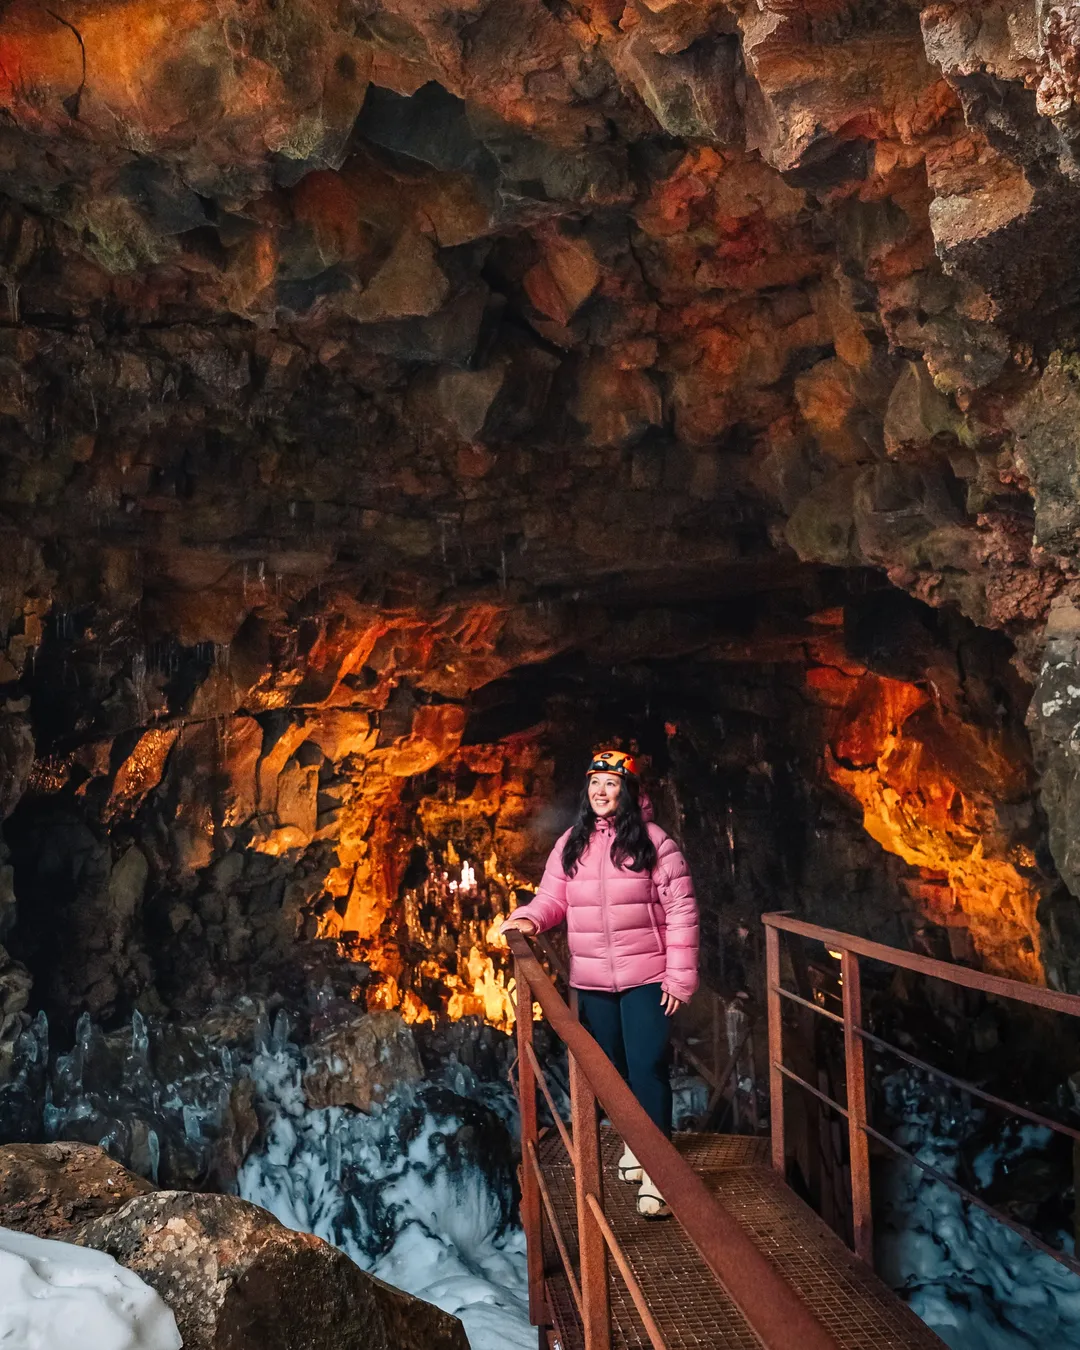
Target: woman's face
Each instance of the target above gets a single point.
(604, 790)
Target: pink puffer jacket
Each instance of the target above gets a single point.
(625, 928)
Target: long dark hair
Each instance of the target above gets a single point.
(632, 847)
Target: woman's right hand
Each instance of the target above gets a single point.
(522, 923)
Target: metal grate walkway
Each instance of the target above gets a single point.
(689, 1305)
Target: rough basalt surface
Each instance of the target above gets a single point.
(358, 357)
(49, 1189)
(359, 1063)
(236, 1279)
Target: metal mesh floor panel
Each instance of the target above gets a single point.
(690, 1308)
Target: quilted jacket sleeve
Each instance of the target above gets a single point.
(676, 888)
(548, 907)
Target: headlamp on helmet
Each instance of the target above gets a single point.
(612, 761)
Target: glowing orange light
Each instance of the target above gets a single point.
(930, 786)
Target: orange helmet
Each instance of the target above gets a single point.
(612, 761)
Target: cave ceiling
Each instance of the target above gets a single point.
(356, 354)
(526, 298)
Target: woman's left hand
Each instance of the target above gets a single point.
(670, 1003)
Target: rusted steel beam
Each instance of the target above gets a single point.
(964, 1086)
(531, 1219)
(776, 1050)
(806, 1003)
(774, 1311)
(589, 1180)
(862, 1221)
(1063, 1257)
(1036, 994)
(696, 1062)
(560, 1124)
(648, 1321)
(556, 1229)
(814, 1092)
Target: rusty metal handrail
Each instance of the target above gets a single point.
(771, 1307)
(1036, 994)
(542, 1083)
(637, 1294)
(553, 1220)
(860, 1131)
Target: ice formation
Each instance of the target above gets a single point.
(976, 1282)
(53, 1293)
(418, 1192)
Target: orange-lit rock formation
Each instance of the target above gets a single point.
(938, 791)
(355, 355)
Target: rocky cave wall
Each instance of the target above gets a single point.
(359, 358)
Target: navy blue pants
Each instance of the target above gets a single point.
(633, 1031)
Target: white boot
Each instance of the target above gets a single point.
(650, 1203)
(629, 1167)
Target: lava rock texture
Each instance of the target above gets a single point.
(359, 355)
(48, 1189)
(234, 1278)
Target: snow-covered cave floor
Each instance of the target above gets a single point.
(52, 1293)
(409, 1192)
(976, 1282)
(420, 1191)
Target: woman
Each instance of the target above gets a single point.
(625, 891)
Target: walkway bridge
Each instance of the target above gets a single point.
(744, 1262)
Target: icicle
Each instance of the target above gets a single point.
(84, 1033)
(27, 1050)
(192, 1125)
(734, 1022)
(280, 1035)
(731, 840)
(138, 683)
(153, 1147)
(140, 1037)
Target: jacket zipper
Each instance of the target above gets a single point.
(607, 917)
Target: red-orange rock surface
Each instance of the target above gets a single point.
(355, 354)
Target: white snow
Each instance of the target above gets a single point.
(54, 1295)
(976, 1282)
(419, 1192)
(390, 1191)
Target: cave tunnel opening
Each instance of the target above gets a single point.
(398, 407)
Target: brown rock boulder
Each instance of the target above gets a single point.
(236, 1279)
(48, 1189)
(357, 1064)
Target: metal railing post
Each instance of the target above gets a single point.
(531, 1213)
(776, 1048)
(862, 1222)
(588, 1180)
